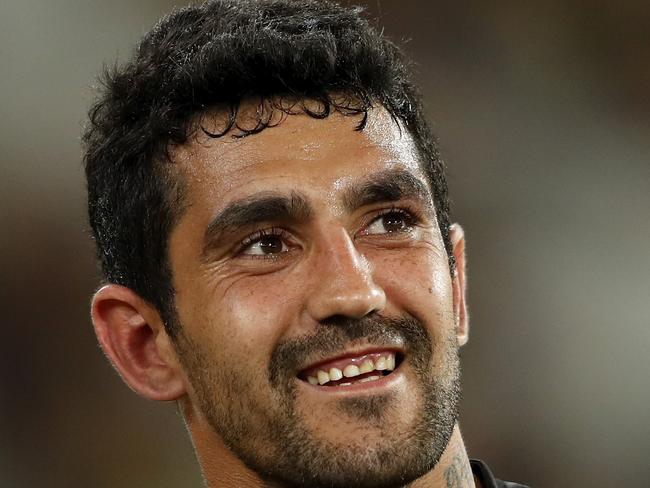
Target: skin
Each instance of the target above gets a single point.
(239, 299)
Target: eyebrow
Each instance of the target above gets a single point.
(256, 209)
(386, 186)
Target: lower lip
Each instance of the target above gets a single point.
(384, 382)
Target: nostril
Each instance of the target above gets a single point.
(360, 304)
(338, 320)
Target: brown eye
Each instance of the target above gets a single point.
(270, 244)
(393, 222)
(390, 222)
(263, 244)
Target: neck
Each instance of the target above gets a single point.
(453, 469)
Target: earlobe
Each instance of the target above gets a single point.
(457, 237)
(131, 334)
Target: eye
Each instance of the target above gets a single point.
(265, 243)
(390, 222)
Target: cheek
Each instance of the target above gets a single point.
(417, 281)
(251, 312)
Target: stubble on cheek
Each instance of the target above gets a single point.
(228, 397)
(262, 420)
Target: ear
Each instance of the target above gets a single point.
(457, 237)
(133, 337)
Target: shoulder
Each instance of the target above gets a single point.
(483, 473)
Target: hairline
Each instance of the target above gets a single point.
(178, 176)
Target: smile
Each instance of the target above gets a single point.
(348, 371)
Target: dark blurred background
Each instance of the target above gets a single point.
(543, 112)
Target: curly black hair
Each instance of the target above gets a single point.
(212, 57)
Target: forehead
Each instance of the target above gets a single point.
(324, 154)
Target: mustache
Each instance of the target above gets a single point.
(333, 334)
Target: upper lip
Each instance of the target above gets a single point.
(398, 349)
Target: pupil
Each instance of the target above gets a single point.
(270, 244)
(393, 222)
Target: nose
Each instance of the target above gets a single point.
(344, 284)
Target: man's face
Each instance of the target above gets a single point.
(306, 252)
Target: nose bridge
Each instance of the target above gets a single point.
(344, 280)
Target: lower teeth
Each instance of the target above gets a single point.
(363, 378)
(353, 381)
(369, 378)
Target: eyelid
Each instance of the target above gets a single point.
(256, 236)
(398, 210)
(412, 214)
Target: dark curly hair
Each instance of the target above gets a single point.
(214, 56)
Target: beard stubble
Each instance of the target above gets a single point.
(270, 434)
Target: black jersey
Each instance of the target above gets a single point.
(487, 479)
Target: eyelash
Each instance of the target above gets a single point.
(411, 217)
(260, 234)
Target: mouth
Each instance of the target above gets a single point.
(346, 371)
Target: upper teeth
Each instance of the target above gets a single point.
(351, 370)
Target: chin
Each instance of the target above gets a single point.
(390, 447)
